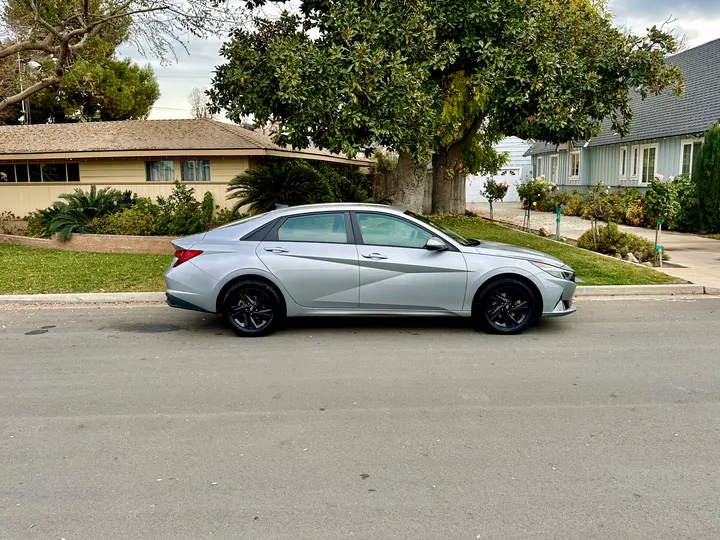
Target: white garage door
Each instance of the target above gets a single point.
(510, 176)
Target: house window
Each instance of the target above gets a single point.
(539, 166)
(159, 171)
(575, 164)
(649, 164)
(554, 169)
(688, 157)
(34, 172)
(623, 162)
(635, 162)
(7, 173)
(195, 171)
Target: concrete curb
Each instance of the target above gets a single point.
(83, 298)
(158, 297)
(640, 290)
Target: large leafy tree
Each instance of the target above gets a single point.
(440, 78)
(97, 87)
(59, 30)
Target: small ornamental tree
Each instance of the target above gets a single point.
(493, 191)
(532, 194)
(708, 179)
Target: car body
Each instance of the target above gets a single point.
(361, 259)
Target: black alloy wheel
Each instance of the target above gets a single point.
(506, 306)
(252, 308)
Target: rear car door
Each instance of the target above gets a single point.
(315, 259)
(397, 272)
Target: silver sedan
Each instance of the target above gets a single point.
(361, 259)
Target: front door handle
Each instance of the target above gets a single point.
(276, 250)
(375, 256)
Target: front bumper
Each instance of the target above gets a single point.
(559, 298)
(563, 307)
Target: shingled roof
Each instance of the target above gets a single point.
(541, 147)
(668, 116)
(136, 136)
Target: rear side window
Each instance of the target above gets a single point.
(320, 228)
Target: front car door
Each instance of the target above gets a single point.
(315, 259)
(397, 272)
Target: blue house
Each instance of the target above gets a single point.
(665, 135)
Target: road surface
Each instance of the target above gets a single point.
(147, 423)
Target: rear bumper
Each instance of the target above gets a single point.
(174, 301)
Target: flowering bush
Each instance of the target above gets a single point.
(534, 192)
(661, 202)
(635, 213)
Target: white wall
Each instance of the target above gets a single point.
(517, 169)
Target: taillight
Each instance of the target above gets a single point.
(184, 255)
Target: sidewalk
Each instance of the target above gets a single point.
(698, 257)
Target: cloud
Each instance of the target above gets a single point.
(698, 20)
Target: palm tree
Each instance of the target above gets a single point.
(291, 183)
(79, 210)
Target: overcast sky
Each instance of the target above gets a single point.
(698, 20)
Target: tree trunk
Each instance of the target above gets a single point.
(409, 187)
(442, 186)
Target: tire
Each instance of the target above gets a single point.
(253, 308)
(506, 306)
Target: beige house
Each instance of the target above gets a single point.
(40, 162)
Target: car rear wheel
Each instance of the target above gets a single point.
(506, 306)
(253, 308)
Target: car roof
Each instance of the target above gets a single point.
(342, 207)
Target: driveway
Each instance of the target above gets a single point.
(154, 424)
(697, 256)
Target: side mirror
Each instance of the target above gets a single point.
(436, 244)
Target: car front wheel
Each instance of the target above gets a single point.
(252, 308)
(506, 306)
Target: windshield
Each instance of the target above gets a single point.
(452, 234)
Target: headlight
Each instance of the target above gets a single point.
(556, 271)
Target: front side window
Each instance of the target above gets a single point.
(648, 164)
(381, 230)
(574, 164)
(159, 171)
(195, 171)
(318, 228)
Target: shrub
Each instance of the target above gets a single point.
(635, 213)
(291, 183)
(575, 204)
(223, 217)
(139, 220)
(611, 240)
(180, 213)
(207, 207)
(708, 178)
(688, 217)
(534, 192)
(660, 202)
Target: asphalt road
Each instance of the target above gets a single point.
(148, 423)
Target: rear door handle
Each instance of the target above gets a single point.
(375, 256)
(276, 250)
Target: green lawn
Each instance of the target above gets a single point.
(28, 270)
(593, 269)
(34, 270)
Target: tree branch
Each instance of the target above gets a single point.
(44, 45)
(17, 98)
(49, 27)
(456, 148)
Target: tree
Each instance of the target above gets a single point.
(450, 81)
(60, 30)
(493, 191)
(200, 104)
(708, 178)
(289, 182)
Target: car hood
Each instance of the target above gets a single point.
(498, 249)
